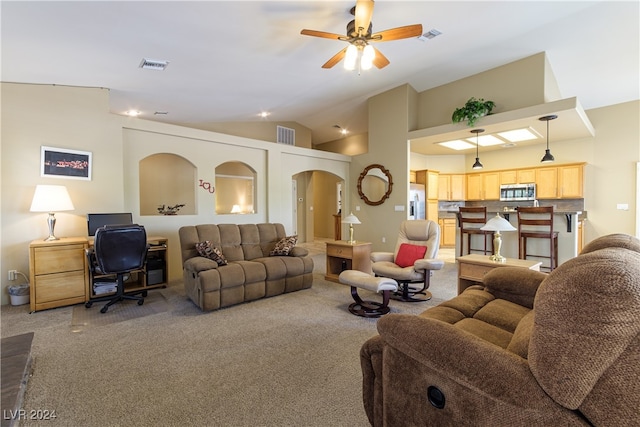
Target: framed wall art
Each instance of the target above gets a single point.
(65, 163)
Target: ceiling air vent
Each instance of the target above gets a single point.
(152, 64)
(286, 136)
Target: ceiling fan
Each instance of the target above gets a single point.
(359, 52)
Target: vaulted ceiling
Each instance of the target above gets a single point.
(231, 60)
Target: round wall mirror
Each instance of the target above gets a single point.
(374, 184)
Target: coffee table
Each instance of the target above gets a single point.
(472, 268)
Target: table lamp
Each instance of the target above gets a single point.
(51, 198)
(497, 224)
(351, 219)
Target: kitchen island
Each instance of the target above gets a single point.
(567, 216)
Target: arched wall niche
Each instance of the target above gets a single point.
(235, 188)
(167, 181)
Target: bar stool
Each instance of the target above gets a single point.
(537, 223)
(470, 219)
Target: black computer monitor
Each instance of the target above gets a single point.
(97, 220)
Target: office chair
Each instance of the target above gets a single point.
(117, 251)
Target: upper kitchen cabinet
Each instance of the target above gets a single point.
(560, 182)
(428, 178)
(483, 186)
(518, 176)
(451, 187)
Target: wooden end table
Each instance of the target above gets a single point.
(342, 255)
(472, 268)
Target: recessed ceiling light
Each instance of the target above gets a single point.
(342, 130)
(153, 64)
(133, 113)
(487, 140)
(264, 114)
(518, 135)
(457, 144)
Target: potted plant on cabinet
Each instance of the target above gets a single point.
(472, 111)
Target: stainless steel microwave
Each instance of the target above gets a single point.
(517, 192)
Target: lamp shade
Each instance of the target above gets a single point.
(51, 198)
(497, 223)
(351, 219)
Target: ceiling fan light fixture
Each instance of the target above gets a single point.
(351, 58)
(368, 55)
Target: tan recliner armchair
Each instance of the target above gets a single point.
(422, 233)
(524, 349)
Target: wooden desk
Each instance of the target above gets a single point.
(342, 255)
(59, 274)
(472, 268)
(153, 275)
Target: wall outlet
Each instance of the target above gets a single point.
(384, 240)
(622, 207)
(357, 208)
(13, 274)
(399, 208)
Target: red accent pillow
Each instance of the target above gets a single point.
(409, 254)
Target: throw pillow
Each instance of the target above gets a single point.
(408, 254)
(284, 246)
(207, 250)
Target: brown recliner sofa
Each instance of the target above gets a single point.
(251, 272)
(524, 349)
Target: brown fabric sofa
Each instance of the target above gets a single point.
(251, 273)
(524, 349)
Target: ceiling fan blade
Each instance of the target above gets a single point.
(322, 34)
(380, 60)
(335, 59)
(398, 33)
(363, 13)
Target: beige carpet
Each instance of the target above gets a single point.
(290, 360)
(84, 317)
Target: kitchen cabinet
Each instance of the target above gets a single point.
(483, 186)
(547, 183)
(451, 187)
(508, 177)
(429, 178)
(570, 180)
(447, 232)
(518, 176)
(432, 210)
(560, 182)
(526, 176)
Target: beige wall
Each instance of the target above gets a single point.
(262, 130)
(512, 86)
(324, 204)
(388, 146)
(79, 118)
(351, 145)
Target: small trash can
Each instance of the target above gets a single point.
(19, 294)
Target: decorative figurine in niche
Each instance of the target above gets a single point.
(169, 210)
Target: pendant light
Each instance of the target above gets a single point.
(548, 157)
(477, 164)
